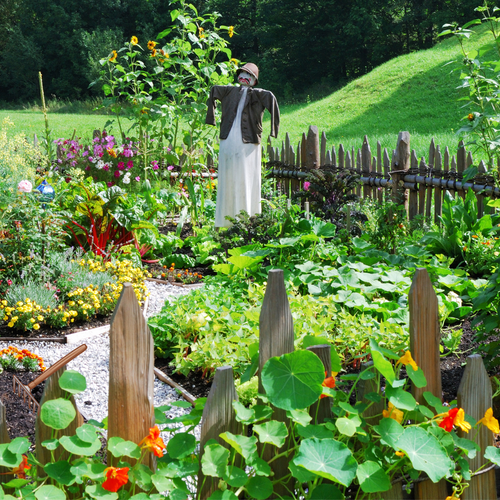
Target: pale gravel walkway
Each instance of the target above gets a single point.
(94, 362)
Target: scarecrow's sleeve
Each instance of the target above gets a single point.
(271, 104)
(217, 93)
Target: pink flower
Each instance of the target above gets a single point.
(110, 183)
(137, 178)
(130, 164)
(170, 167)
(117, 173)
(9, 282)
(106, 167)
(25, 187)
(120, 166)
(306, 186)
(154, 164)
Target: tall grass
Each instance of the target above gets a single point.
(415, 92)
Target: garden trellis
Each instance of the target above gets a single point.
(419, 184)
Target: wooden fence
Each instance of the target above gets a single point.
(131, 363)
(419, 184)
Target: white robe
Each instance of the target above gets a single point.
(239, 174)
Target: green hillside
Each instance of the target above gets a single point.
(415, 92)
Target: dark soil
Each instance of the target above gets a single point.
(20, 420)
(194, 383)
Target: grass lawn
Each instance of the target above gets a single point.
(415, 92)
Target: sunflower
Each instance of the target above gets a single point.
(151, 45)
(134, 40)
(113, 57)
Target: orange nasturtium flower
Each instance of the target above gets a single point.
(153, 442)
(19, 471)
(406, 359)
(455, 416)
(134, 40)
(328, 382)
(115, 478)
(393, 412)
(151, 45)
(490, 421)
(113, 57)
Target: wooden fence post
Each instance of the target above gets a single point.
(218, 417)
(366, 161)
(474, 396)
(5, 477)
(325, 405)
(312, 148)
(399, 169)
(275, 338)
(424, 347)
(413, 202)
(42, 432)
(131, 377)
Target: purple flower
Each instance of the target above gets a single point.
(306, 186)
(117, 173)
(154, 164)
(130, 164)
(110, 183)
(106, 167)
(87, 168)
(137, 178)
(120, 166)
(170, 167)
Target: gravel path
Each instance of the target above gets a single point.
(94, 362)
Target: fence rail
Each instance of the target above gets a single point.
(419, 184)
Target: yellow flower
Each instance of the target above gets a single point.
(153, 53)
(200, 32)
(470, 117)
(400, 453)
(113, 57)
(151, 45)
(453, 497)
(39, 318)
(460, 421)
(393, 412)
(230, 31)
(36, 326)
(407, 360)
(490, 421)
(134, 40)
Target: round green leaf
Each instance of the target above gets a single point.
(272, 432)
(51, 444)
(327, 458)
(259, 487)
(293, 381)
(244, 445)
(119, 447)
(58, 413)
(425, 453)
(329, 491)
(86, 433)
(314, 431)
(48, 492)
(61, 472)
(72, 382)
(222, 495)
(303, 475)
(181, 445)
(7, 458)
(372, 478)
(19, 445)
(345, 426)
(390, 431)
(400, 398)
(214, 460)
(235, 476)
(99, 493)
(75, 445)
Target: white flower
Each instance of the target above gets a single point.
(25, 187)
(100, 164)
(126, 178)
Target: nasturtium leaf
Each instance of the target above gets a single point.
(348, 408)
(95, 491)
(416, 376)
(492, 454)
(367, 375)
(177, 494)
(14, 483)
(141, 496)
(272, 432)
(400, 398)
(86, 433)
(464, 468)
(73, 382)
(160, 417)
(259, 487)
(142, 476)
(301, 474)
(324, 491)
(60, 472)
(314, 431)
(50, 444)
(345, 426)
(470, 447)
(235, 477)
(293, 381)
(260, 466)
(372, 478)
(373, 396)
(19, 445)
(79, 468)
(75, 445)
(425, 411)
(214, 459)
(327, 458)
(301, 417)
(180, 468)
(57, 413)
(244, 445)
(96, 423)
(435, 402)
(444, 437)
(243, 414)
(425, 453)
(181, 404)
(390, 431)
(382, 364)
(95, 471)
(7, 458)
(162, 483)
(222, 495)
(181, 445)
(49, 492)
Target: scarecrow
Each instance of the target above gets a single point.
(239, 174)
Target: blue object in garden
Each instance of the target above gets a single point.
(47, 192)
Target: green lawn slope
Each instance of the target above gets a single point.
(416, 92)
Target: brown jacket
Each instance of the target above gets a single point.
(256, 102)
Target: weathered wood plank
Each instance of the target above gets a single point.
(366, 164)
(413, 201)
(312, 148)
(421, 189)
(432, 157)
(438, 198)
(323, 408)
(322, 157)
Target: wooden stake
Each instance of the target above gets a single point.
(325, 405)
